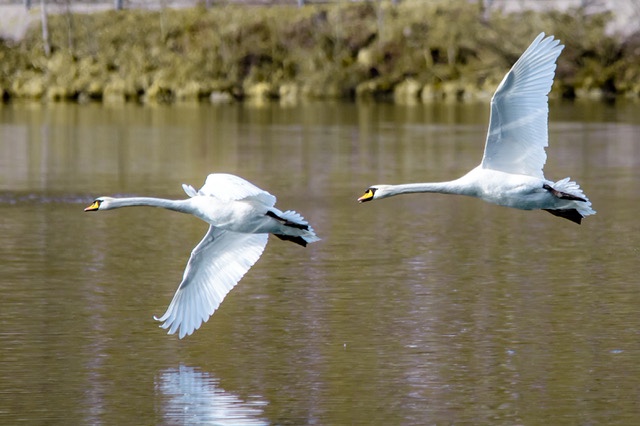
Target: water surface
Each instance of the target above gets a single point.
(421, 309)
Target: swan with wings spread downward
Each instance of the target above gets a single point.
(240, 216)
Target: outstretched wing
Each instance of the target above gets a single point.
(518, 132)
(216, 265)
(228, 187)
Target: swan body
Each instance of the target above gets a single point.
(511, 171)
(241, 217)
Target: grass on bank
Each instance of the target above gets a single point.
(407, 52)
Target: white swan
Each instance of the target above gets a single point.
(241, 217)
(511, 170)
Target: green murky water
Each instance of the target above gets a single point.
(423, 309)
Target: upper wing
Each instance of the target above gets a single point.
(189, 190)
(216, 265)
(518, 132)
(228, 187)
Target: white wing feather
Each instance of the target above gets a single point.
(216, 265)
(189, 190)
(228, 187)
(518, 132)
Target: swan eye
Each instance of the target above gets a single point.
(94, 206)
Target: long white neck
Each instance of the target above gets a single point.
(183, 206)
(449, 187)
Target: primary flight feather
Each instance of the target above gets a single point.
(510, 173)
(240, 216)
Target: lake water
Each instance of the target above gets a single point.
(421, 309)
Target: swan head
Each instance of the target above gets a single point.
(375, 192)
(100, 203)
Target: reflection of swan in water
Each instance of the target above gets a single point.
(193, 397)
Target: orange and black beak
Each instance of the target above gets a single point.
(93, 207)
(367, 196)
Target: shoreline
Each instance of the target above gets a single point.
(408, 53)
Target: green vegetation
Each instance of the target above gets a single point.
(409, 52)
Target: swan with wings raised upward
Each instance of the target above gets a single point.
(241, 217)
(510, 173)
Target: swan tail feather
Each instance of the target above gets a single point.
(297, 229)
(292, 221)
(308, 234)
(578, 205)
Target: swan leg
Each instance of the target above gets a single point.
(571, 214)
(287, 222)
(297, 239)
(562, 195)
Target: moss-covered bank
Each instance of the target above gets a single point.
(414, 51)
